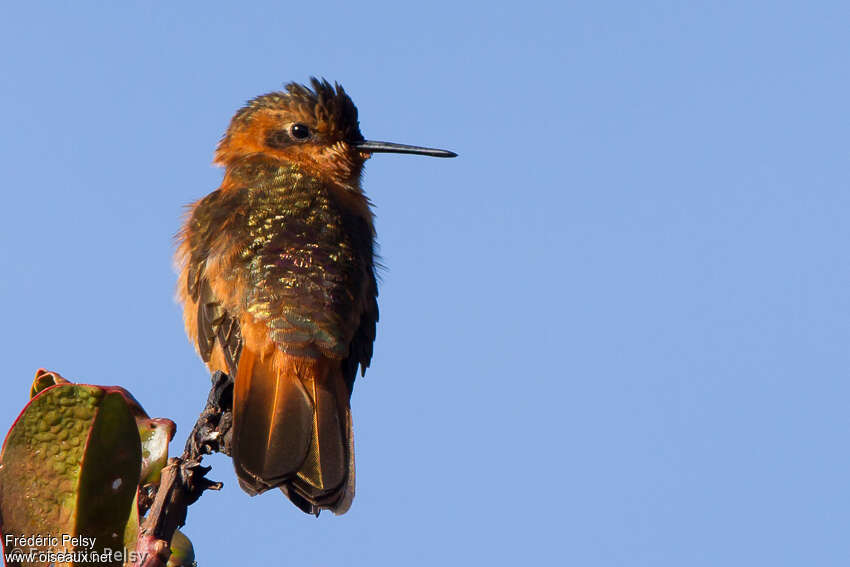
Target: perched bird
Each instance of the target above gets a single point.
(277, 281)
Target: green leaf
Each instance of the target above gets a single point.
(155, 434)
(182, 551)
(70, 466)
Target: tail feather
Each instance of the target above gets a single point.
(292, 429)
(273, 419)
(324, 467)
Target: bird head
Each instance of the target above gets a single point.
(315, 128)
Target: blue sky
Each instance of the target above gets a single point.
(614, 331)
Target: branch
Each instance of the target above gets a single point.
(184, 478)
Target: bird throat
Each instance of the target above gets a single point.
(263, 173)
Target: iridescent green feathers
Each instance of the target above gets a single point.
(308, 263)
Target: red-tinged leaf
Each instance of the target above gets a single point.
(155, 434)
(44, 379)
(70, 467)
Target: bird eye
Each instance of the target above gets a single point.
(299, 131)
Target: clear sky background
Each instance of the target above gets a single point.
(614, 331)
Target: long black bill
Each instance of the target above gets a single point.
(391, 148)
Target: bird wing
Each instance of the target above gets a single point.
(214, 330)
(214, 323)
(360, 353)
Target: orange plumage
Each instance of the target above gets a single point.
(277, 280)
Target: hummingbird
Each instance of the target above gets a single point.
(278, 287)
